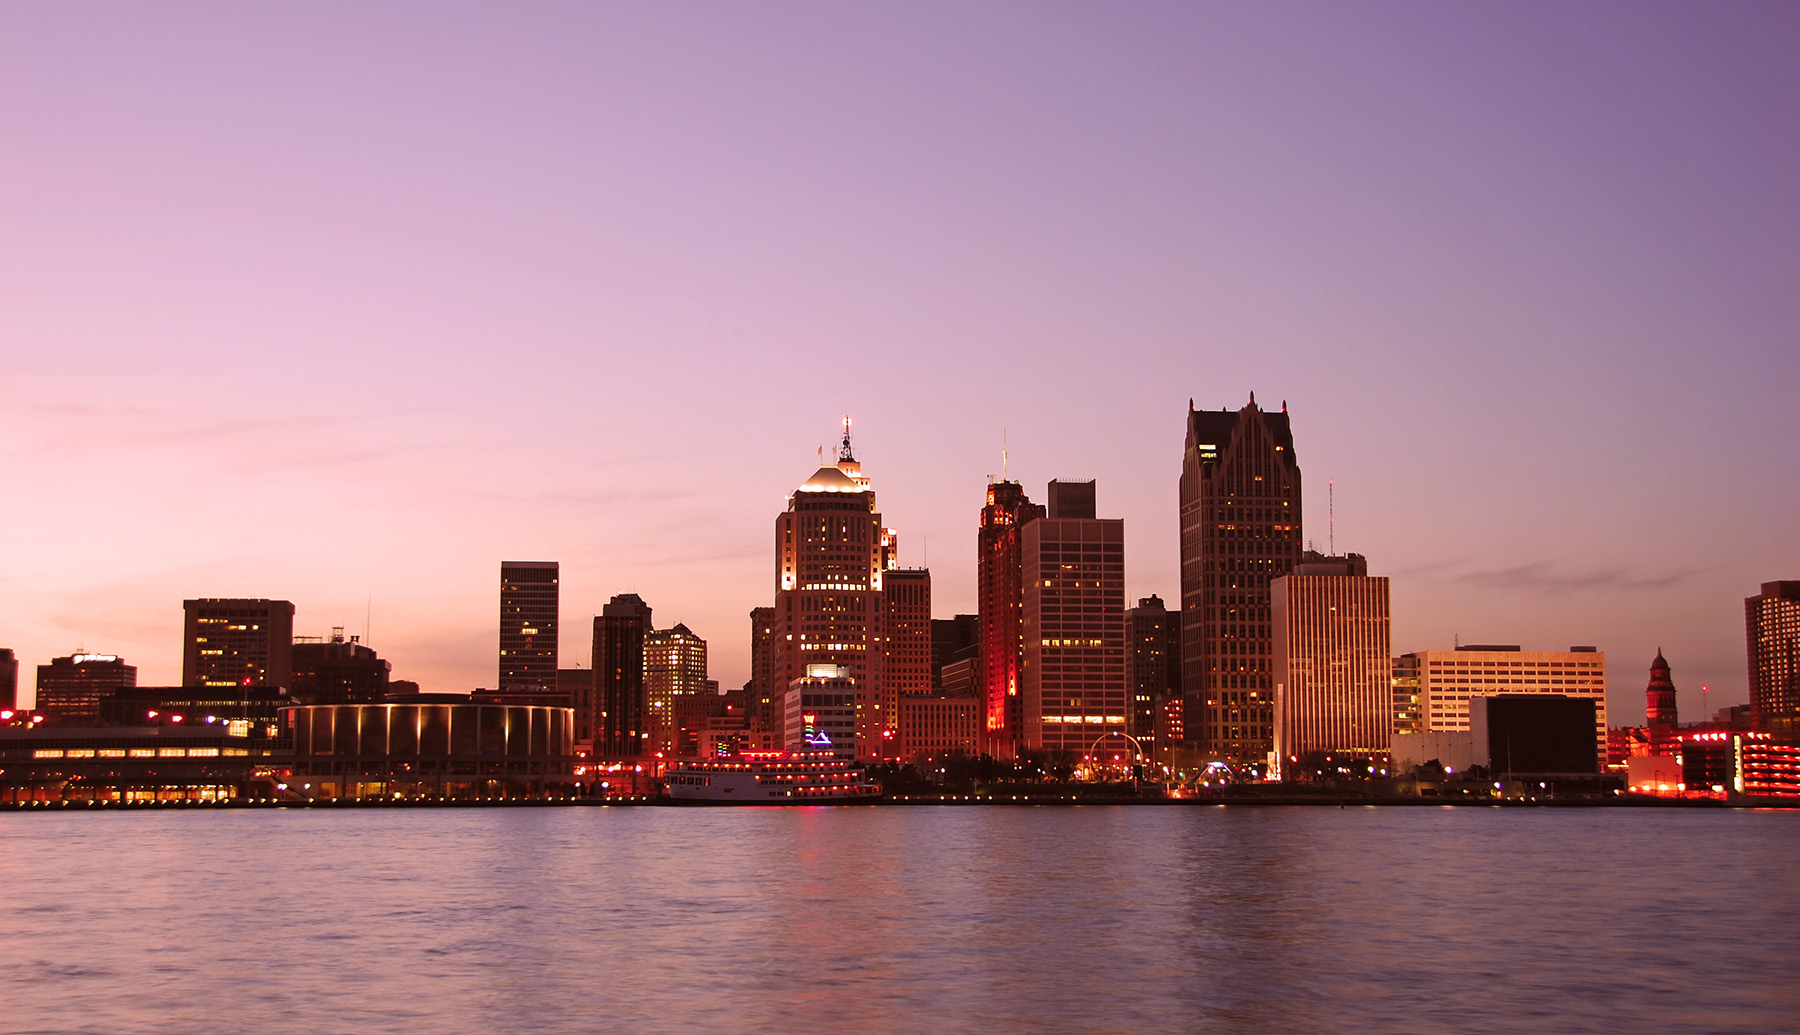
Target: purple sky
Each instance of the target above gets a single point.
(349, 302)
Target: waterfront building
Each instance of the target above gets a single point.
(1072, 676)
(1660, 721)
(1240, 530)
(1405, 685)
(1772, 628)
(999, 590)
(337, 671)
(243, 708)
(137, 764)
(1724, 763)
(620, 719)
(431, 745)
(575, 689)
(1537, 734)
(937, 726)
(237, 642)
(674, 667)
(830, 566)
(1333, 665)
(1153, 638)
(529, 608)
(69, 690)
(820, 712)
(1450, 679)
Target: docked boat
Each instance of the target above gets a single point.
(769, 778)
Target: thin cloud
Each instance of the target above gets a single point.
(1541, 575)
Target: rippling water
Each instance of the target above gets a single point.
(1093, 919)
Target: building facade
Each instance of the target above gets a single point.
(337, 670)
(829, 573)
(1333, 665)
(1072, 676)
(237, 642)
(906, 647)
(9, 680)
(529, 608)
(939, 726)
(1153, 636)
(1450, 679)
(674, 667)
(1772, 629)
(620, 722)
(69, 690)
(1240, 530)
(820, 712)
(999, 589)
(762, 694)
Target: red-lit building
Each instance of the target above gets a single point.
(999, 590)
(906, 649)
(1727, 763)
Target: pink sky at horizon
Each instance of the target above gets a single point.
(347, 304)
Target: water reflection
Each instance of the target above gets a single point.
(902, 920)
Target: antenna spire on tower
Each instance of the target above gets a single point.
(1002, 454)
(844, 453)
(1331, 516)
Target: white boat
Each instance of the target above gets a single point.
(768, 778)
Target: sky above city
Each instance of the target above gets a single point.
(345, 304)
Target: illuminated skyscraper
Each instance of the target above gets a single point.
(1333, 662)
(237, 642)
(997, 569)
(828, 581)
(528, 613)
(1772, 628)
(1072, 613)
(674, 667)
(1240, 530)
(621, 720)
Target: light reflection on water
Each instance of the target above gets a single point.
(901, 920)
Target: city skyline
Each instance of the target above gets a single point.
(1524, 279)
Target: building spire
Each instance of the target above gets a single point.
(844, 453)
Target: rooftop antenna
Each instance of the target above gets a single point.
(368, 616)
(1331, 516)
(1002, 454)
(845, 453)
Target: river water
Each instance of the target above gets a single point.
(1090, 919)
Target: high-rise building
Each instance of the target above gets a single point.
(1660, 720)
(763, 693)
(1333, 664)
(906, 647)
(529, 602)
(1772, 628)
(999, 592)
(69, 690)
(1405, 684)
(829, 574)
(1072, 614)
(1153, 636)
(1450, 679)
(620, 722)
(820, 712)
(1240, 530)
(337, 671)
(674, 667)
(9, 680)
(237, 642)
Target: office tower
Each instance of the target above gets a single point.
(337, 671)
(821, 710)
(1072, 614)
(620, 721)
(9, 680)
(1405, 684)
(1772, 627)
(906, 648)
(1240, 530)
(528, 625)
(829, 575)
(1660, 720)
(69, 690)
(235, 642)
(1450, 679)
(1153, 636)
(762, 694)
(999, 593)
(674, 667)
(1333, 666)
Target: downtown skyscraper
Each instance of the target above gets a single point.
(1240, 530)
(528, 624)
(999, 594)
(830, 559)
(1772, 634)
(1072, 614)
